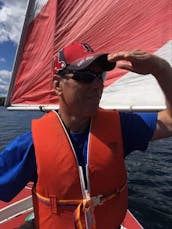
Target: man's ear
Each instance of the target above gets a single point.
(57, 85)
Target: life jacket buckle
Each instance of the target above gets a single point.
(97, 200)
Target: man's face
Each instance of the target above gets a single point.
(80, 98)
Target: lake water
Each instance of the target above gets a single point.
(149, 173)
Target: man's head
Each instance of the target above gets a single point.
(78, 57)
(79, 74)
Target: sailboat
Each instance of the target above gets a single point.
(108, 26)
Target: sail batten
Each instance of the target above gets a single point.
(108, 26)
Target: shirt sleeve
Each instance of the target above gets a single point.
(17, 166)
(137, 130)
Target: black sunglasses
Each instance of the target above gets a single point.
(84, 76)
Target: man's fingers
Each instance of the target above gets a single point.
(128, 55)
(124, 66)
(118, 56)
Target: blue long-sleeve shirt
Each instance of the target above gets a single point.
(18, 162)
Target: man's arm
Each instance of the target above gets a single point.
(17, 166)
(164, 123)
(146, 63)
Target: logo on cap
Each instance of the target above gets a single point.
(58, 64)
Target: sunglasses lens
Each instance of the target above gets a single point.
(103, 76)
(83, 77)
(87, 76)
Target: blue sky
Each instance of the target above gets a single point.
(11, 21)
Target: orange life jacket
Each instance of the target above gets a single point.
(60, 185)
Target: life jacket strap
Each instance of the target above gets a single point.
(82, 205)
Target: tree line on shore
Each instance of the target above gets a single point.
(2, 100)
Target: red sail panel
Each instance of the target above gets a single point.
(107, 25)
(33, 84)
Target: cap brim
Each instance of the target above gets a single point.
(98, 59)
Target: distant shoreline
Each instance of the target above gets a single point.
(2, 101)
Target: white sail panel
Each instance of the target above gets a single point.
(127, 93)
(36, 8)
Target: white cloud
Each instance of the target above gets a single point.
(5, 77)
(2, 60)
(11, 22)
(11, 19)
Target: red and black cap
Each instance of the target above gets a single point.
(79, 56)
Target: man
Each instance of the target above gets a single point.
(75, 155)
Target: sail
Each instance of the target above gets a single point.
(108, 26)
